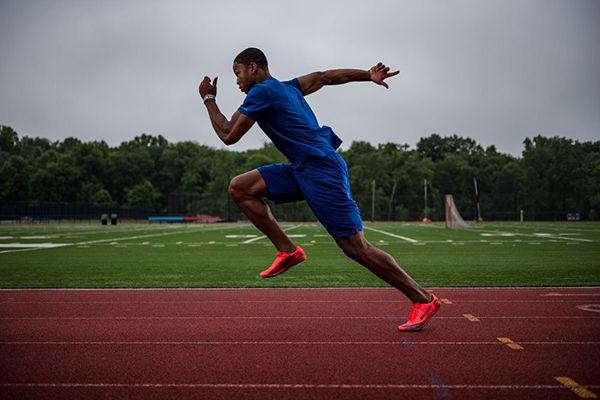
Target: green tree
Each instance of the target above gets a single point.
(143, 195)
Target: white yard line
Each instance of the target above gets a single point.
(176, 232)
(31, 245)
(262, 237)
(391, 234)
(535, 235)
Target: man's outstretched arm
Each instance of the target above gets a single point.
(312, 82)
(228, 131)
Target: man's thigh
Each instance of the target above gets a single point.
(326, 187)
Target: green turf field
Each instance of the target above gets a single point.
(232, 255)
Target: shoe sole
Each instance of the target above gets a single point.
(281, 272)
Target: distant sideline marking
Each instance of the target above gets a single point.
(31, 245)
(178, 231)
(535, 235)
(391, 234)
(262, 237)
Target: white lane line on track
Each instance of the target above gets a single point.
(274, 301)
(568, 294)
(248, 289)
(390, 234)
(285, 343)
(280, 386)
(276, 317)
(262, 237)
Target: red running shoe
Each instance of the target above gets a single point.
(420, 314)
(283, 262)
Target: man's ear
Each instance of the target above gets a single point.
(252, 67)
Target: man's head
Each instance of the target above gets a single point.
(250, 67)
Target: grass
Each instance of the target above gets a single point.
(142, 255)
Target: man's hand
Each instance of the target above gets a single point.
(207, 88)
(379, 73)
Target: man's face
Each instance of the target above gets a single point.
(245, 76)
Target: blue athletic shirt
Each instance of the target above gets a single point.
(286, 118)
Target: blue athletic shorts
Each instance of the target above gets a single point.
(325, 186)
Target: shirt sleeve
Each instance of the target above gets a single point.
(294, 83)
(256, 103)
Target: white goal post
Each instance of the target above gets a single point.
(453, 218)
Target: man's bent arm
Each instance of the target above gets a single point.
(312, 82)
(228, 131)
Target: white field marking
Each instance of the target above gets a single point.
(32, 245)
(114, 240)
(125, 318)
(280, 386)
(390, 234)
(262, 237)
(536, 235)
(283, 343)
(239, 236)
(40, 237)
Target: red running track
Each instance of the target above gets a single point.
(298, 344)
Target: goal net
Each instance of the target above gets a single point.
(453, 218)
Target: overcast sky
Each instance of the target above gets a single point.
(496, 71)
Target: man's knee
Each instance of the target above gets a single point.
(237, 188)
(250, 184)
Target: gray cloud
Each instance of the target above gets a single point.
(496, 71)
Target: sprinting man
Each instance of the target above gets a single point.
(316, 172)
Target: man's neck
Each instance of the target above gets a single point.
(262, 75)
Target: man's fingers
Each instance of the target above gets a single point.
(385, 85)
(215, 81)
(393, 73)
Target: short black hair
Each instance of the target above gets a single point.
(252, 54)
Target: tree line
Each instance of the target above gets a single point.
(553, 177)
